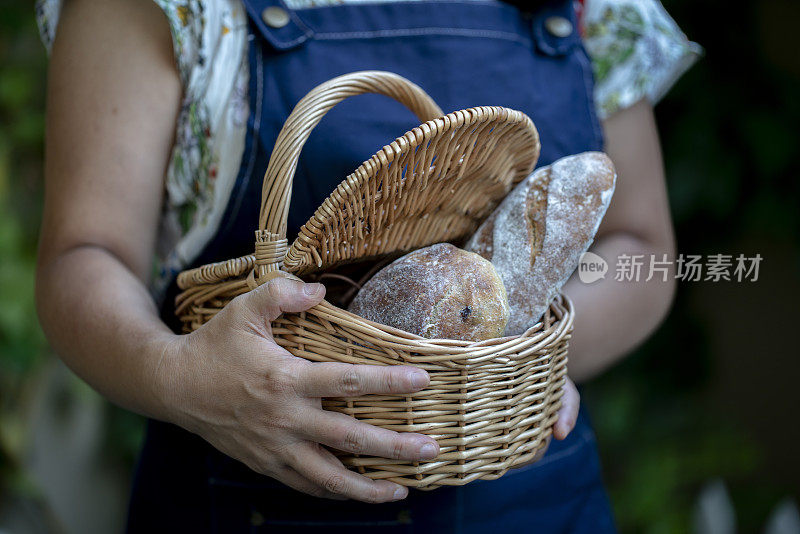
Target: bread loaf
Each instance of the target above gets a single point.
(536, 236)
(438, 292)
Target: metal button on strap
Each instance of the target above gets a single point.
(558, 26)
(275, 17)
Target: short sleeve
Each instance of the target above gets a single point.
(47, 12)
(637, 51)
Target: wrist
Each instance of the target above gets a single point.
(167, 383)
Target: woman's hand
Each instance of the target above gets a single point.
(568, 413)
(114, 95)
(233, 385)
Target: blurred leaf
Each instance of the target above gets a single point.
(771, 141)
(15, 88)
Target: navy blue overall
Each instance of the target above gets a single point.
(463, 54)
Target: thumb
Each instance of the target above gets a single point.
(285, 295)
(568, 414)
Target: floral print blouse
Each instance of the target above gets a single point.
(637, 52)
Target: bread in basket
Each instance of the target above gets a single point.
(490, 405)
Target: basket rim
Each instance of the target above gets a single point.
(554, 325)
(562, 303)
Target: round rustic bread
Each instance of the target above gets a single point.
(437, 292)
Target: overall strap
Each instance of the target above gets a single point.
(279, 24)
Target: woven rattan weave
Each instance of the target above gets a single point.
(490, 405)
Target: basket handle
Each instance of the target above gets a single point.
(276, 192)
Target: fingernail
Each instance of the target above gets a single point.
(419, 379)
(400, 493)
(428, 451)
(312, 289)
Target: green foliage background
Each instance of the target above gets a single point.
(23, 349)
(730, 138)
(22, 344)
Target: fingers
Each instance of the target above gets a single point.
(568, 414)
(347, 380)
(284, 295)
(296, 481)
(345, 433)
(308, 460)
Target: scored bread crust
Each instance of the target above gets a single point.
(536, 236)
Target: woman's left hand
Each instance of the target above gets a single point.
(568, 413)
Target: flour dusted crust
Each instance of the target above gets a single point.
(536, 236)
(437, 292)
(511, 238)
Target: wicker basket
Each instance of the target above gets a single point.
(490, 405)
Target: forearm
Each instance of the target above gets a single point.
(100, 319)
(613, 317)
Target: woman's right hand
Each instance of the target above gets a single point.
(230, 383)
